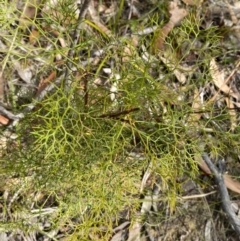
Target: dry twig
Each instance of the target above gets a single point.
(219, 179)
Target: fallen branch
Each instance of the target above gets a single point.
(226, 204)
(229, 182)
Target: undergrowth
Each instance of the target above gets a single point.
(75, 147)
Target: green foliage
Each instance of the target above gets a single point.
(77, 149)
(76, 146)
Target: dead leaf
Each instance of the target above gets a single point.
(219, 80)
(29, 11)
(196, 106)
(170, 64)
(160, 36)
(44, 82)
(34, 36)
(218, 77)
(129, 50)
(3, 120)
(177, 14)
(24, 73)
